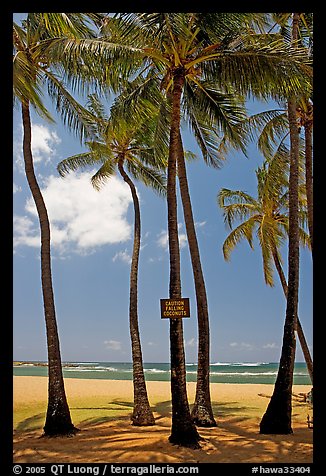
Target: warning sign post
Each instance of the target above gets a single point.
(175, 308)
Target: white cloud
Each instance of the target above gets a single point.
(16, 188)
(43, 142)
(191, 342)
(163, 238)
(182, 240)
(81, 218)
(122, 256)
(25, 232)
(43, 145)
(200, 224)
(241, 346)
(17, 148)
(112, 344)
(157, 259)
(270, 346)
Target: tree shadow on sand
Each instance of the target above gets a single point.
(113, 438)
(31, 423)
(161, 409)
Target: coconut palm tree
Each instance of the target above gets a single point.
(304, 103)
(305, 118)
(117, 147)
(176, 50)
(278, 416)
(305, 112)
(202, 413)
(31, 70)
(272, 129)
(268, 217)
(226, 111)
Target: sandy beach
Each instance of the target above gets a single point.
(101, 410)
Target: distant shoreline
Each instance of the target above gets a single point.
(220, 372)
(73, 363)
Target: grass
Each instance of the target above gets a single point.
(95, 409)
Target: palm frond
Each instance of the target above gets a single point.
(270, 237)
(237, 205)
(103, 174)
(27, 77)
(273, 133)
(266, 238)
(141, 105)
(19, 37)
(272, 178)
(92, 62)
(140, 96)
(227, 196)
(190, 156)
(26, 88)
(76, 162)
(218, 109)
(222, 26)
(242, 231)
(73, 114)
(148, 176)
(275, 69)
(207, 140)
(58, 25)
(268, 126)
(95, 106)
(237, 211)
(304, 238)
(161, 137)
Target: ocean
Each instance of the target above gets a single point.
(220, 372)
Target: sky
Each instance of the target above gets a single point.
(92, 234)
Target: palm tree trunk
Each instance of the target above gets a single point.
(142, 414)
(301, 336)
(278, 416)
(58, 420)
(183, 432)
(202, 413)
(309, 176)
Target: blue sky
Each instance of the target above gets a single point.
(91, 248)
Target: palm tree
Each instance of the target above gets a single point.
(268, 216)
(305, 116)
(278, 416)
(202, 413)
(116, 147)
(306, 120)
(176, 50)
(227, 112)
(32, 69)
(305, 104)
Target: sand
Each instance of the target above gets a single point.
(101, 409)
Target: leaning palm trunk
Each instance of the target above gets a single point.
(183, 430)
(202, 413)
(301, 336)
(142, 414)
(309, 175)
(278, 416)
(58, 420)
